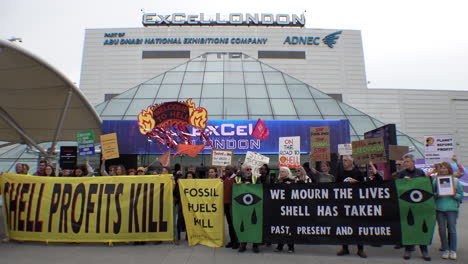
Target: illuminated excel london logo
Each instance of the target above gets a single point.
(233, 19)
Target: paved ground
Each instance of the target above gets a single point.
(39, 253)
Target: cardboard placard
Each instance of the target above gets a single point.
(397, 152)
(221, 158)
(109, 146)
(320, 143)
(438, 149)
(290, 152)
(345, 149)
(371, 149)
(256, 160)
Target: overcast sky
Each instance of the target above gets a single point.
(410, 44)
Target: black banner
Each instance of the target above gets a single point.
(68, 157)
(332, 213)
(171, 113)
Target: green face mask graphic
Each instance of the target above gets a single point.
(247, 212)
(417, 210)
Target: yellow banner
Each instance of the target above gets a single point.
(88, 209)
(203, 208)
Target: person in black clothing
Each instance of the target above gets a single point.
(350, 174)
(409, 173)
(285, 177)
(369, 172)
(265, 174)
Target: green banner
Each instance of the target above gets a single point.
(247, 208)
(417, 214)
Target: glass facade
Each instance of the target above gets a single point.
(237, 86)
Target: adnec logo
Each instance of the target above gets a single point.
(329, 40)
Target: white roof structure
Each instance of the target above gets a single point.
(38, 103)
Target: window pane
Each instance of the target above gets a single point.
(299, 91)
(180, 68)
(313, 117)
(253, 77)
(232, 66)
(361, 124)
(328, 107)
(155, 80)
(233, 77)
(278, 91)
(350, 110)
(215, 117)
(283, 107)
(98, 108)
(234, 91)
(190, 90)
(213, 106)
(235, 107)
(291, 80)
(137, 105)
(169, 91)
(252, 66)
(214, 66)
(128, 94)
(212, 90)
(237, 117)
(105, 117)
(196, 66)
(163, 100)
(273, 78)
(267, 68)
(284, 117)
(173, 77)
(256, 91)
(193, 77)
(317, 94)
(213, 77)
(259, 107)
(263, 117)
(147, 91)
(306, 107)
(116, 107)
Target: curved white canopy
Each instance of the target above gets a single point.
(38, 103)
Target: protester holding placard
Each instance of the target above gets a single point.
(350, 174)
(447, 213)
(228, 179)
(409, 173)
(324, 174)
(247, 177)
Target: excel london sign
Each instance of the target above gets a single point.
(233, 19)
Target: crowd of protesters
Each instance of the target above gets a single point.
(321, 172)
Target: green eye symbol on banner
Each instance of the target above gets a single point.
(247, 212)
(417, 211)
